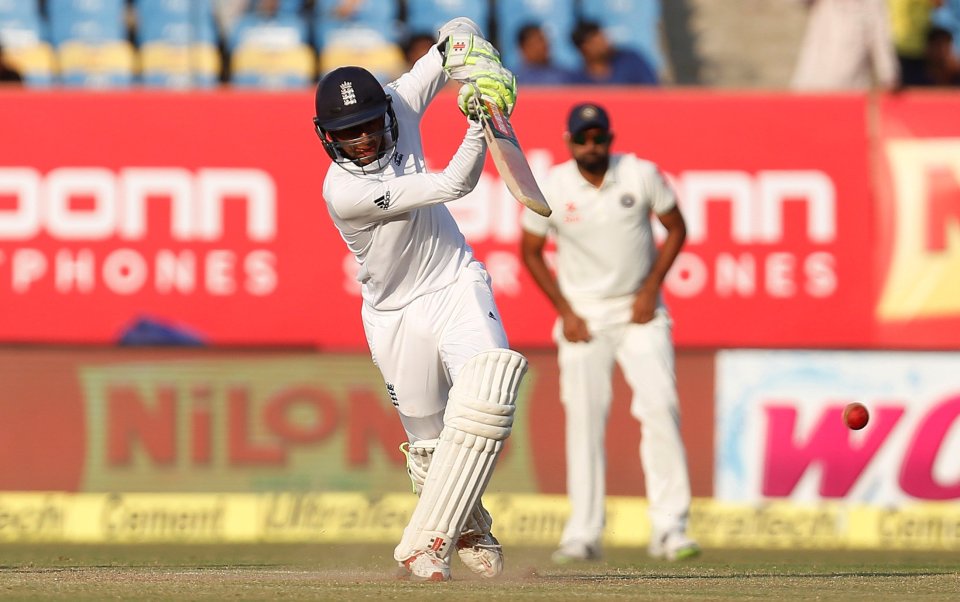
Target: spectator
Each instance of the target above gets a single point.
(603, 63)
(942, 66)
(909, 22)
(8, 73)
(847, 46)
(536, 66)
(415, 46)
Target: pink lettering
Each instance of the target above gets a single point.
(829, 445)
(916, 472)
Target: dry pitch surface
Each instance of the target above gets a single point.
(353, 572)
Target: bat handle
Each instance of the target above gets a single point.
(475, 99)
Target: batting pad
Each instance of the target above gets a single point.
(478, 418)
(419, 456)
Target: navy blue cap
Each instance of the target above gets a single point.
(586, 116)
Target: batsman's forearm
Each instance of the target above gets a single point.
(463, 171)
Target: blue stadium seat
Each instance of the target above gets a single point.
(90, 21)
(23, 35)
(20, 13)
(633, 24)
(283, 29)
(948, 17)
(428, 15)
(175, 21)
(91, 41)
(271, 53)
(290, 7)
(380, 15)
(556, 17)
(365, 48)
(178, 43)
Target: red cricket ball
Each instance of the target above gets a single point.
(855, 416)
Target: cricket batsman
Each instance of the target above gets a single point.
(428, 310)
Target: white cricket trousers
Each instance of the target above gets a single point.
(421, 347)
(645, 355)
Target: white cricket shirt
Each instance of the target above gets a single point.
(605, 245)
(405, 240)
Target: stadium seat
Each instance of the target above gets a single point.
(281, 31)
(379, 15)
(253, 66)
(428, 15)
(178, 43)
(24, 39)
(948, 17)
(633, 24)
(291, 7)
(91, 42)
(556, 17)
(364, 48)
(271, 53)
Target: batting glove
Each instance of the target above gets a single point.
(466, 55)
(492, 87)
(461, 25)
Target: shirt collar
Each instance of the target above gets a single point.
(609, 179)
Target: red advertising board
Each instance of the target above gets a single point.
(918, 263)
(204, 210)
(103, 420)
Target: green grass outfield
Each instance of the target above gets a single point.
(353, 572)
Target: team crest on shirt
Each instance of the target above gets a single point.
(628, 201)
(571, 215)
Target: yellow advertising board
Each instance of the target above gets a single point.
(521, 519)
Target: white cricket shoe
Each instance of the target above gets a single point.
(425, 566)
(576, 552)
(673, 545)
(482, 554)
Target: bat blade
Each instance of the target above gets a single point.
(509, 160)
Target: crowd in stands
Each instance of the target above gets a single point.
(279, 44)
(887, 44)
(291, 43)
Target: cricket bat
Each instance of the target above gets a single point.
(509, 160)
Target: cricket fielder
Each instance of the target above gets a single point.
(607, 295)
(428, 309)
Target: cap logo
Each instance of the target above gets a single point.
(588, 112)
(346, 91)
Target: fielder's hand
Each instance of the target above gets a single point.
(575, 328)
(490, 87)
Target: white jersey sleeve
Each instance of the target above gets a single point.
(658, 190)
(376, 198)
(535, 223)
(418, 86)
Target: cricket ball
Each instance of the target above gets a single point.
(855, 416)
